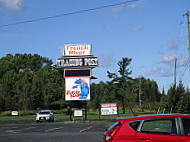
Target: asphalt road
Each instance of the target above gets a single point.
(53, 133)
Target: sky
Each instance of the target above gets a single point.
(150, 32)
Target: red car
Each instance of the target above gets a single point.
(150, 128)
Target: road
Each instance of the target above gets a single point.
(53, 133)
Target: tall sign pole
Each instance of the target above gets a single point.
(187, 14)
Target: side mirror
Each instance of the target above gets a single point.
(37, 113)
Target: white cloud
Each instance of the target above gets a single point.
(140, 5)
(11, 5)
(106, 61)
(167, 65)
(169, 59)
(133, 5)
(115, 11)
(175, 44)
(161, 71)
(137, 28)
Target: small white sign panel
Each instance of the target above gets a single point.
(77, 50)
(109, 109)
(77, 88)
(14, 113)
(78, 113)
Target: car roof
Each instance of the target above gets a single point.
(121, 119)
(45, 110)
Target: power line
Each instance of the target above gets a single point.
(67, 14)
(184, 70)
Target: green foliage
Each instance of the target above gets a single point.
(28, 82)
(31, 82)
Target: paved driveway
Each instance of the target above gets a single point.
(53, 133)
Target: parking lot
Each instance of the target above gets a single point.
(53, 133)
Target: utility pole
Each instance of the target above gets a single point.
(175, 72)
(187, 14)
(140, 91)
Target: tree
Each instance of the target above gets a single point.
(121, 80)
(28, 82)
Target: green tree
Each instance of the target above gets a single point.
(121, 80)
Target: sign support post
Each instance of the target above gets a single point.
(85, 110)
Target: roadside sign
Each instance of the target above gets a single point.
(77, 88)
(14, 113)
(108, 109)
(77, 50)
(81, 62)
(78, 112)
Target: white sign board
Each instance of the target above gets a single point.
(109, 109)
(77, 50)
(78, 113)
(77, 88)
(14, 113)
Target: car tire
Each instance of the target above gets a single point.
(52, 120)
(37, 121)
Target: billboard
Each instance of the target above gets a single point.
(77, 88)
(77, 50)
(78, 61)
(108, 109)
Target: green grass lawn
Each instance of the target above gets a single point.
(90, 115)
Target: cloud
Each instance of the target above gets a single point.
(169, 59)
(167, 65)
(106, 61)
(140, 5)
(115, 11)
(11, 5)
(174, 44)
(137, 28)
(161, 71)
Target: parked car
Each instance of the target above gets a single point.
(45, 115)
(150, 128)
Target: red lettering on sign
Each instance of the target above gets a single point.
(72, 93)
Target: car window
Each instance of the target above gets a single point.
(114, 126)
(45, 112)
(159, 126)
(186, 126)
(134, 125)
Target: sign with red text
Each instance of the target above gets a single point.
(77, 50)
(108, 109)
(77, 88)
(14, 113)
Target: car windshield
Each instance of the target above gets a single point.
(44, 112)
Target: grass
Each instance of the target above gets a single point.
(31, 115)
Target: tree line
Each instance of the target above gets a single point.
(29, 82)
